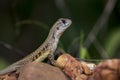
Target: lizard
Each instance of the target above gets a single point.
(45, 50)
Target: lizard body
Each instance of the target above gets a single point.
(47, 48)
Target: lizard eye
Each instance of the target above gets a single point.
(63, 21)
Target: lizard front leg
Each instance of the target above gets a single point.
(51, 58)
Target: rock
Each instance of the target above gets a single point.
(107, 70)
(41, 71)
(8, 76)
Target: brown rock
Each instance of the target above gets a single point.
(11, 76)
(41, 71)
(107, 70)
(76, 70)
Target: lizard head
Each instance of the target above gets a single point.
(60, 26)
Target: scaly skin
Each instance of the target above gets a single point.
(46, 49)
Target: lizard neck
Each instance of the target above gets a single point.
(52, 40)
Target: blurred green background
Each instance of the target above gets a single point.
(24, 24)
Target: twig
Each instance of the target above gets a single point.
(101, 22)
(10, 47)
(100, 49)
(61, 5)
